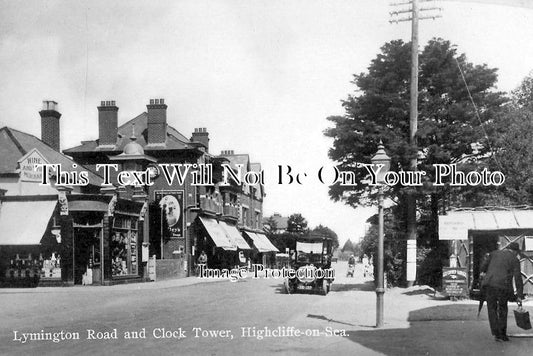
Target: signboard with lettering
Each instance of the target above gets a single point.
(454, 282)
(28, 172)
(453, 227)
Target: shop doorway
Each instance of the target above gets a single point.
(483, 243)
(86, 254)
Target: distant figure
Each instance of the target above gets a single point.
(351, 260)
(202, 260)
(500, 268)
(351, 266)
(366, 266)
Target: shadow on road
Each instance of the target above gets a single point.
(427, 291)
(322, 317)
(344, 287)
(363, 287)
(441, 330)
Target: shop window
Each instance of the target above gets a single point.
(51, 266)
(123, 246)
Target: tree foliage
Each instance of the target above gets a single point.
(271, 224)
(451, 129)
(348, 246)
(327, 232)
(296, 223)
(379, 110)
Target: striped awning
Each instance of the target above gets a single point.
(24, 222)
(261, 242)
(234, 236)
(217, 234)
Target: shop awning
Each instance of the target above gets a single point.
(234, 236)
(261, 242)
(217, 234)
(456, 224)
(24, 222)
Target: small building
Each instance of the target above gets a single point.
(472, 233)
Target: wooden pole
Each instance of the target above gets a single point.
(413, 127)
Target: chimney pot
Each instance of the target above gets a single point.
(201, 135)
(107, 123)
(157, 121)
(50, 130)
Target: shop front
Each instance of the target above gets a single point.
(213, 240)
(106, 240)
(29, 241)
(76, 239)
(472, 234)
(264, 251)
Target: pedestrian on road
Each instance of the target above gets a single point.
(500, 267)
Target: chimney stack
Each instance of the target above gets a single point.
(50, 124)
(107, 123)
(157, 122)
(201, 135)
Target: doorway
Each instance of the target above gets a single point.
(86, 251)
(483, 243)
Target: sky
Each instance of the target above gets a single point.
(261, 75)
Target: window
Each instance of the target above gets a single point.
(245, 216)
(123, 246)
(529, 243)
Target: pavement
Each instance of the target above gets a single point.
(417, 321)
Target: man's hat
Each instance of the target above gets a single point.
(514, 246)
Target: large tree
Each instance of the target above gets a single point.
(327, 232)
(451, 128)
(448, 125)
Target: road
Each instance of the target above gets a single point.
(218, 318)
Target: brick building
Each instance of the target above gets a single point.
(57, 233)
(183, 218)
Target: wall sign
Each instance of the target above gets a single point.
(171, 204)
(28, 172)
(453, 228)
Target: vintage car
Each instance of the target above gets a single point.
(311, 262)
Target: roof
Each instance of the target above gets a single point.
(175, 140)
(281, 221)
(456, 224)
(15, 144)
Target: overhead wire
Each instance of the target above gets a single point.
(493, 155)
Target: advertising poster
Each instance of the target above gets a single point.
(266, 177)
(171, 205)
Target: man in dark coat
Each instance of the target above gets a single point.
(500, 268)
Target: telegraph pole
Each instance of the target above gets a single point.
(414, 17)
